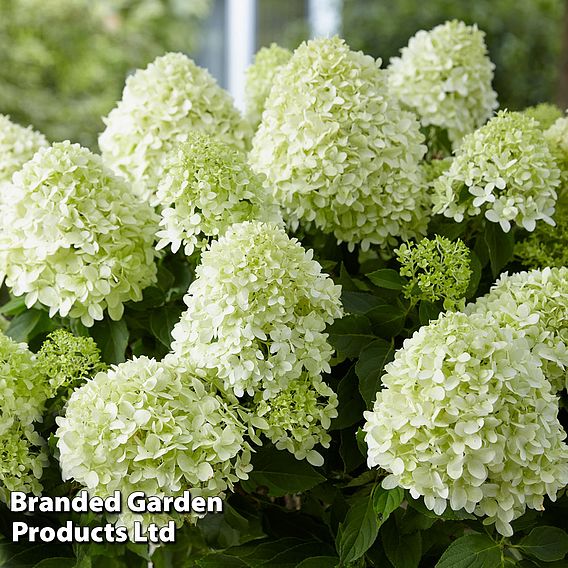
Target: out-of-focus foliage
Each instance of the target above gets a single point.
(64, 61)
(523, 37)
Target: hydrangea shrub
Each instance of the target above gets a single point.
(504, 170)
(160, 107)
(444, 75)
(337, 150)
(207, 187)
(74, 237)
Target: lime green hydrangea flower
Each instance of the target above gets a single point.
(467, 418)
(206, 187)
(17, 145)
(557, 138)
(161, 105)
(338, 151)
(444, 75)
(74, 237)
(68, 361)
(257, 312)
(23, 388)
(504, 170)
(23, 457)
(547, 245)
(435, 168)
(259, 78)
(437, 269)
(149, 426)
(537, 303)
(545, 114)
(298, 417)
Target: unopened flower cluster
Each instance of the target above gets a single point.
(24, 392)
(68, 361)
(436, 269)
(467, 418)
(206, 187)
(255, 326)
(151, 427)
(546, 114)
(74, 237)
(259, 78)
(338, 151)
(444, 75)
(161, 105)
(17, 146)
(504, 170)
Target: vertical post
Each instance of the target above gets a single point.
(241, 20)
(325, 17)
(562, 95)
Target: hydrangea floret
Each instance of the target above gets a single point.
(207, 187)
(436, 269)
(74, 237)
(160, 106)
(257, 312)
(18, 144)
(467, 418)
(444, 75)
(298, 417)
(504, 170)
(259, 78)
(557, 138)
(546, 114)
(537, 303)
(68, 361)
(23, 457)
(152, 427)
(23, 388)
(337, 150)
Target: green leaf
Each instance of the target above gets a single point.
(386, 278)
(349, 450)
(162, 322)
(500, 246)
(221, 561)
(349, 335)
(387, 501)
(360, 528)
(370, 367)
(545, 543)
(428, 311)
(60, 562)
(281, 473)
(471, 551)
(351, 406)
(26, 555)
(402, 550)
(112, 339)
(388, 320)
(476, 268)
(360, 302)
(319, 562)
(29, 324)
(14, 307)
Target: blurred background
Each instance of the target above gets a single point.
(63, 62)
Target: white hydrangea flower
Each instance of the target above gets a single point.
(467, 418)
(152, 427)
(298, 417)
(504, 170)
(338, 151)
(259, 78)
(206, 187)
(23, 389)
(257, 312)
(537, 303)
(17, 145)
(23, 457)
(161, 105)
(444, 75)
(74, 237)
(557, 138)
